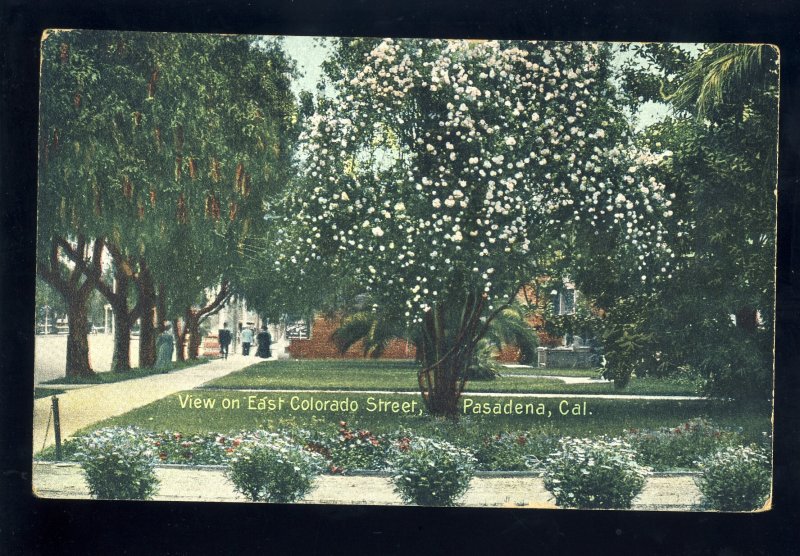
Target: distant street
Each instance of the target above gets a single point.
(51, 355)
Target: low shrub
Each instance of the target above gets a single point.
(682, 446)
(430, 472)
(118, 464)
(514, 451)
(358, 450)
(208, 449)
(269, 467)
(735, 479)
(593, 473)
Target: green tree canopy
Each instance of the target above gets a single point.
(165, 147)
(721, 138)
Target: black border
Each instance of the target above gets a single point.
(32, 526)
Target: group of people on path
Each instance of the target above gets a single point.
(263, 341)
(165, 344)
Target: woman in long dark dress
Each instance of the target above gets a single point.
(165, 344)
(264, 340)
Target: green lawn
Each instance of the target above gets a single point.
(108, 377)
(46, 392)
(400, 376)
(602, 416)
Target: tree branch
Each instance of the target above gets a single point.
(216, 305)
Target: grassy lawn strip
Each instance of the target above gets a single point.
(109, 377)
(400, 376)
(602, 416)
(46, 392)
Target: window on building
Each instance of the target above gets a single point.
(563, 301)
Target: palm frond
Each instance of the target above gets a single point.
(484, 366)
(354, 328)
(510, 328)
(369, 327)
(721, 72)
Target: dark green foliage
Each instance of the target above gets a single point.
(431, 472)
(118, 464)
(736, 479)
(376, 331)
(593, 473)
(268, 467)
(511, 328)
(713, 316)
(370, 328)
(514, 451)
(682, 446)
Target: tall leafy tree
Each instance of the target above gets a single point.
(175, 144)
(442, 176)
(715, 315)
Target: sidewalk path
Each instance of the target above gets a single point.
(80, 408)
(188, 484)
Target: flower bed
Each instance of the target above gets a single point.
(347, 448)
(682, 446)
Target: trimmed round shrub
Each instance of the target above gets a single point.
(593, 473)
(269, 467)
(431, 472)
(735, 479)
(118, 464)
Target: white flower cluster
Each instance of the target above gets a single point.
(439, 158)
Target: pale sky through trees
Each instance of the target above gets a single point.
(309, 55)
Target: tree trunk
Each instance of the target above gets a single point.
(444, 380)
(124, 316)
(448, 345)
(121, 360)
(76, 294)
(78, 364)
(147, 338)
(180, 340)
(193, 328)
(747, 319)
(147, 327)
(193, 317)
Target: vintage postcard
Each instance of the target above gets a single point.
(387, 271)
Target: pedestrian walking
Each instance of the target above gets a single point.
(247, 340)
(264, 340)
(224, 340)
(165, 344)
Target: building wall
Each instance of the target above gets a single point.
(321, 346)
(509, 354)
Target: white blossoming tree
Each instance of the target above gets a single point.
(442, 176)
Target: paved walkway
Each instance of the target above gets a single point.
(51, 355)
(564, 379)
(188, 484)
(79, 408)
